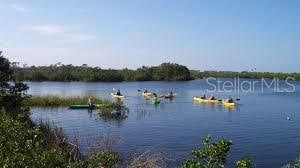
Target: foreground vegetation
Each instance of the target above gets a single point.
(25, 144)
(213, 154)
(60, 72)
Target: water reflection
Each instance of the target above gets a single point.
(142, 113)
(116, 113)
(113, 116)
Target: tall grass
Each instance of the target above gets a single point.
(54, 100)
(45, 145)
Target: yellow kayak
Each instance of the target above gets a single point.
(117, 96)
(228, 104)
(147, 94)
(205, 100)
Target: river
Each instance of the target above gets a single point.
(263, 126)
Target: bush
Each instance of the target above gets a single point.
(213, 154)
(295, 164)
(102, 159)
(12, 92)
(245, 162)
(24, 146)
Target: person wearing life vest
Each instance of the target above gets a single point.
(119, 93)
(229, 100)
(145, 91)
(212, 97)
(90, 103)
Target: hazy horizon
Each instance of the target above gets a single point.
(202, 35)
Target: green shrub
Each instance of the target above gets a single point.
(295, 164)
(24, 146)
(102, 159)
(212, 155)
(245, 162)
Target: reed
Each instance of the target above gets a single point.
(55, 101)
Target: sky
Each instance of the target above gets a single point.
(236, 35)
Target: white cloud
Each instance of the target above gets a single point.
(19, 7)
(68, 33)
(48, 29)
(79, 37)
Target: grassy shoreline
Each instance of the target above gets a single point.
(56, 101)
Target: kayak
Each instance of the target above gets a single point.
(228, 104)
(156, 101)
(205, 100)
(117, 96)
(169, 96)
(78, 106)
(147, 94)
(83, 106)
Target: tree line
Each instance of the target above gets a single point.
(61, 72)
(163, 72)
(244, 74)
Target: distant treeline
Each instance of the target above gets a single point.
(60, 72)
(163, 72)
(244, 74)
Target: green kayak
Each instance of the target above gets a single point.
(83, 106)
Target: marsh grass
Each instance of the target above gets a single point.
(56, 101)
(54, 137)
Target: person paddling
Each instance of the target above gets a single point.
(229, 100)
(155, 97)
(170, 94)
(212, 97)
(90, 103)
(203, 97)
(119, 93)
(145, 91)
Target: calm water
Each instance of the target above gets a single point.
(258, 126)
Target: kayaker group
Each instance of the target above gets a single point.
(171, 95)
(156, 100)
(212, 97)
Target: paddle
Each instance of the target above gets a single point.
(235, 99)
